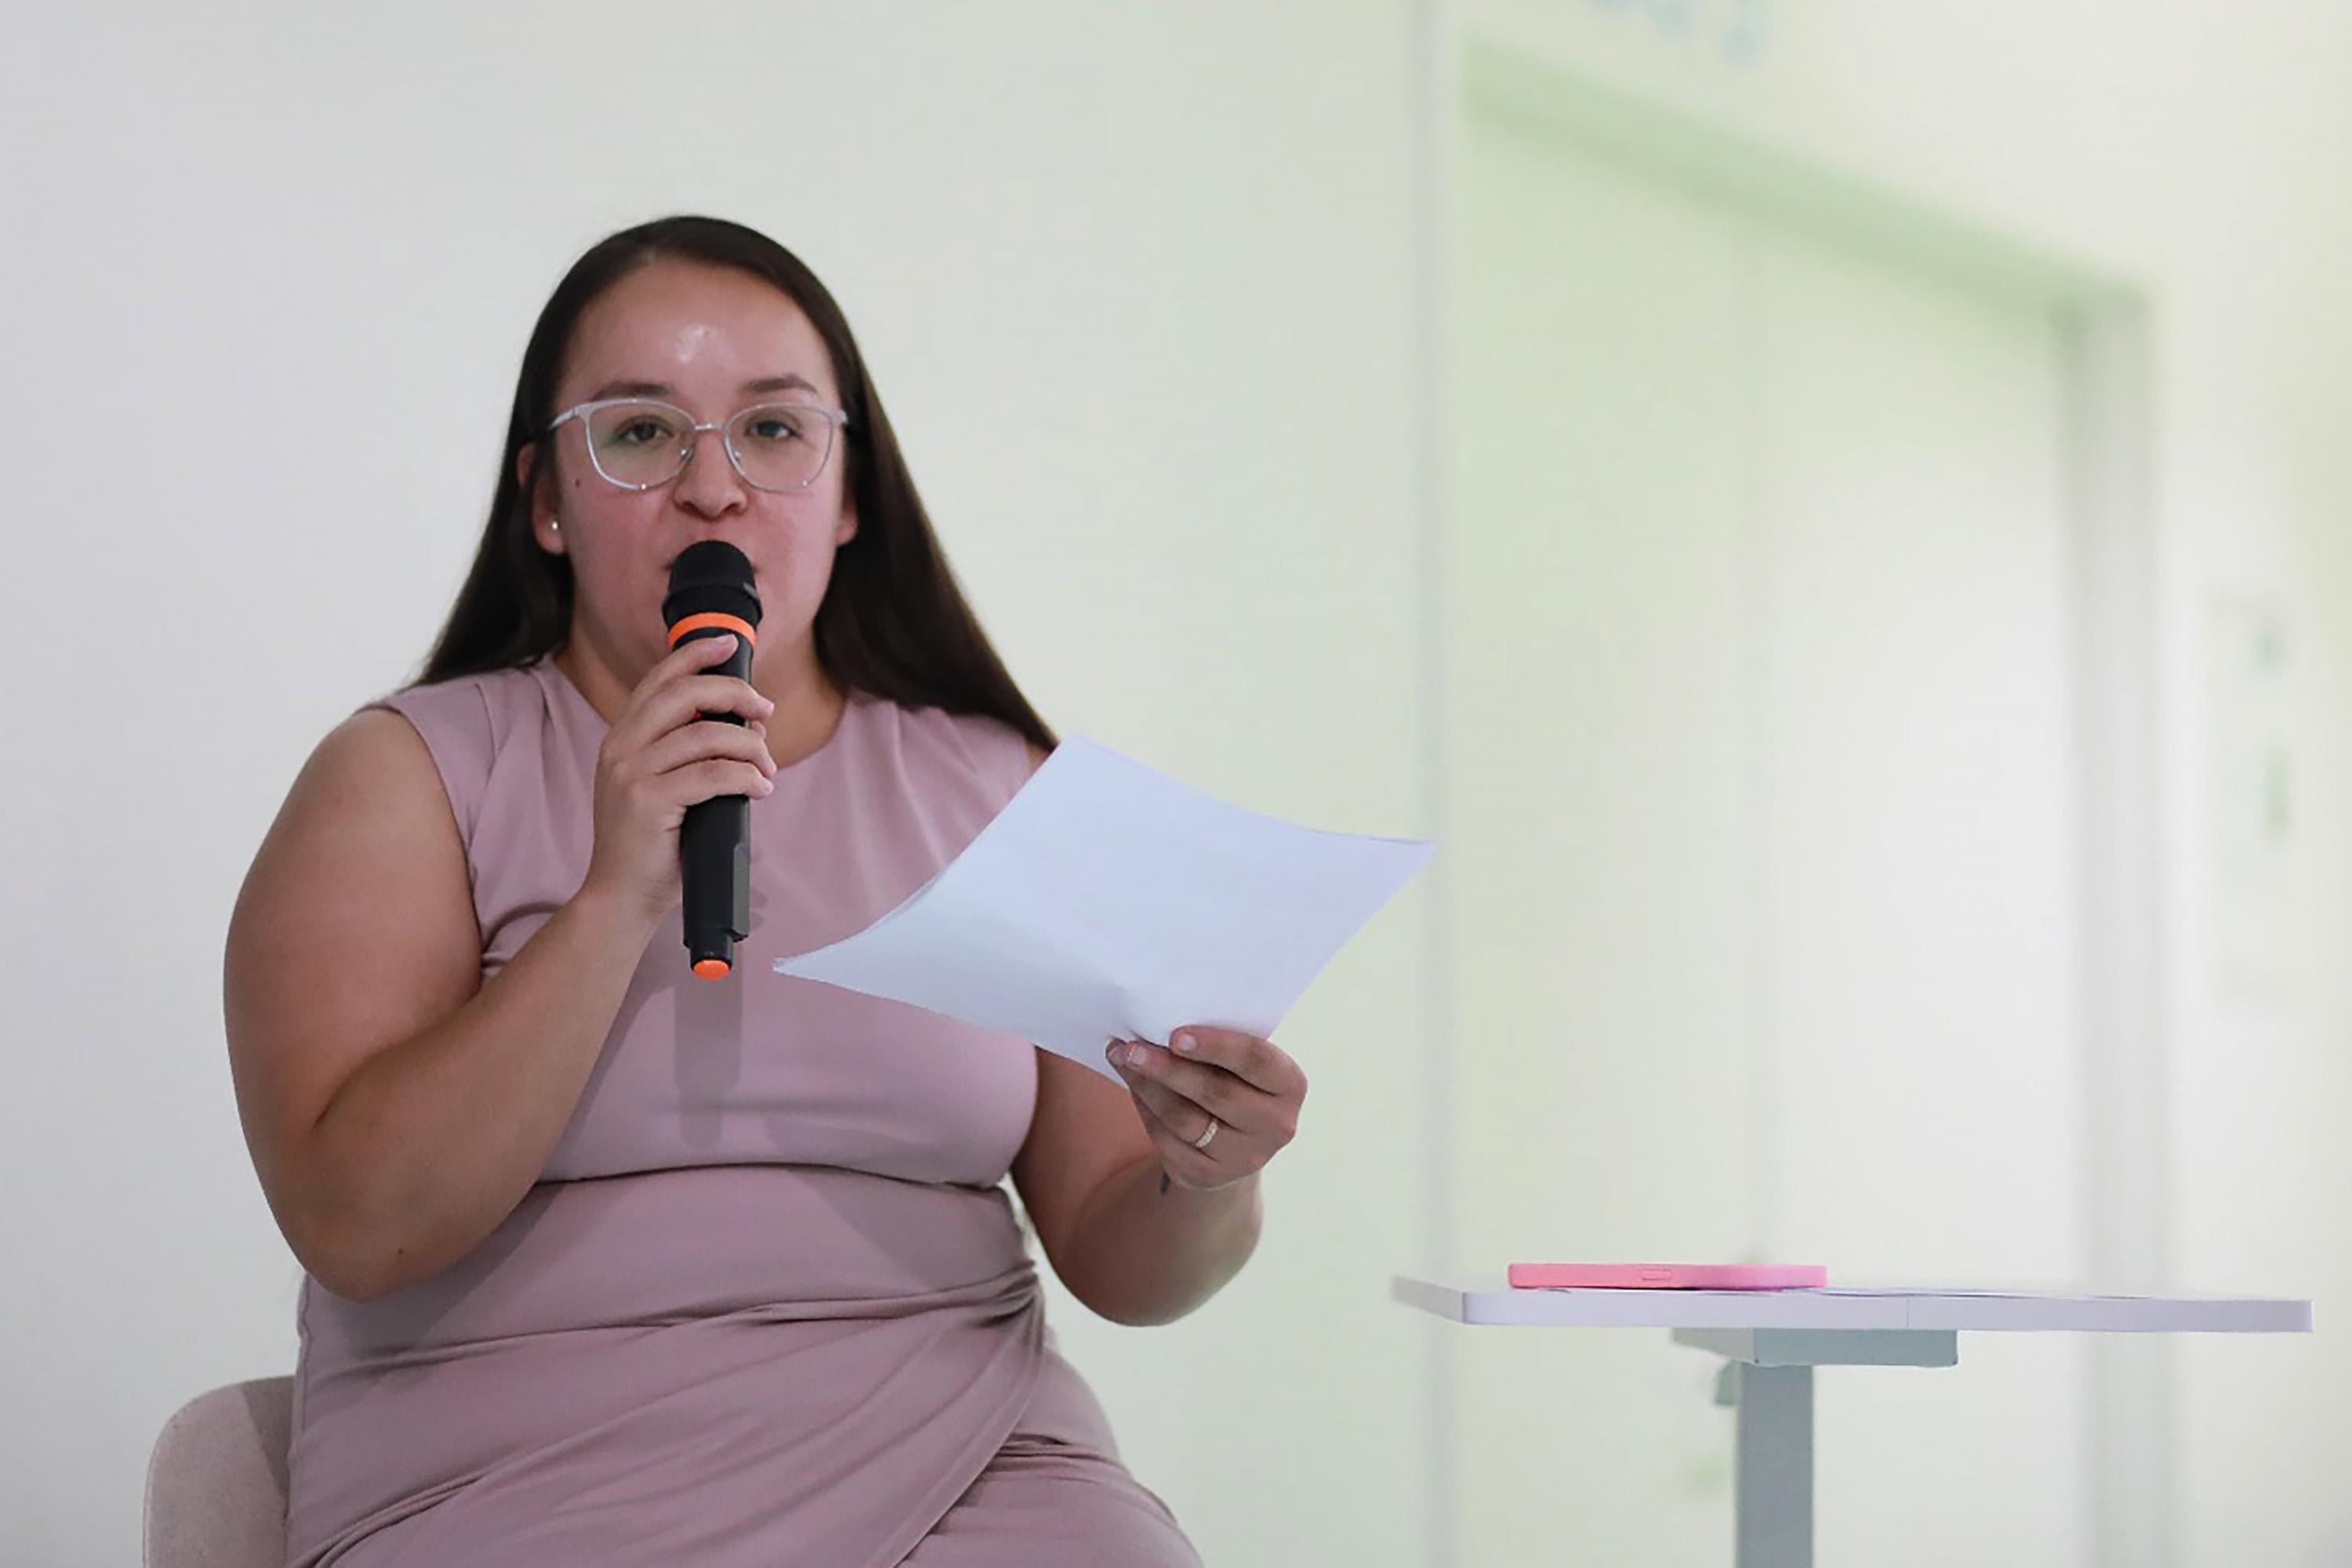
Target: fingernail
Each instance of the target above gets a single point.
(1184, 1042)
(1136, 1054)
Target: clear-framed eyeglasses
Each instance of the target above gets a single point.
(642, 443)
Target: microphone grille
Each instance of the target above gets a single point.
(708, 577)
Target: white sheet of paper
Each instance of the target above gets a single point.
(1107, 901)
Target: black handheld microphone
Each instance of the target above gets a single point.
(711, 596)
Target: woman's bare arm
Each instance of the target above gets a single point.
(396, 1108)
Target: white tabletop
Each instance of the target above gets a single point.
(1845, 1307)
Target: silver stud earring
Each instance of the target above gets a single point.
(555, 525)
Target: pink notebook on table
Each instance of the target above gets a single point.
(1668, 1276)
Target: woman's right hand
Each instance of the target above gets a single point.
(658, 760)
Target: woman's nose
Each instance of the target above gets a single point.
(710, 484)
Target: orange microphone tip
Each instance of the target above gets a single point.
(710, 969)
(724, 622)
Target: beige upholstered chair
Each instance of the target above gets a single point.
(216, 1481)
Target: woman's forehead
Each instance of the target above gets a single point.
(698, 329)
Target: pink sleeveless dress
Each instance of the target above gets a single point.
(768, 1303)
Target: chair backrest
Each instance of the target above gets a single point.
(216, 1481)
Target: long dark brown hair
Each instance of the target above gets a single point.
(893, 622)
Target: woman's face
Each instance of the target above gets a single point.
(711, 341)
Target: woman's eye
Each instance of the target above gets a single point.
(774, 429)
(639, 432)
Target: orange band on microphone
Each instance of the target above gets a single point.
(719, 618)
(710, 969)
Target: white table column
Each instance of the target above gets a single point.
(1768, 1377)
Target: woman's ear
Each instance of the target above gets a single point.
(847, 529)
(538, 495)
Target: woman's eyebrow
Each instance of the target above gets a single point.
(663, 389)
(779, 384)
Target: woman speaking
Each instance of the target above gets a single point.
(608, 1263)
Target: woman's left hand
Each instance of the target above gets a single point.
(1219, 1104)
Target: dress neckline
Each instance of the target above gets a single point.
(553, 675)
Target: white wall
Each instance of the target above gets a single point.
(1759, 813)
(1131, 280)
(2194, 153)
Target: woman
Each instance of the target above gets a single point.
(611, 1263)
